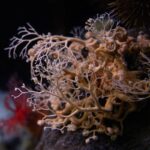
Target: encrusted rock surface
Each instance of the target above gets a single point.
(136, 136)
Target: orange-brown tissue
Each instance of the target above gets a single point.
(90, 84)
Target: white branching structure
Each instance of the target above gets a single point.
(25, 39)
(84, 84)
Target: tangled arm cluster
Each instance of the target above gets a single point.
(89, 84)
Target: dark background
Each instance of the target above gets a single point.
(55, 16)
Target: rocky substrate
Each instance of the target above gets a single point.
(136, 136)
